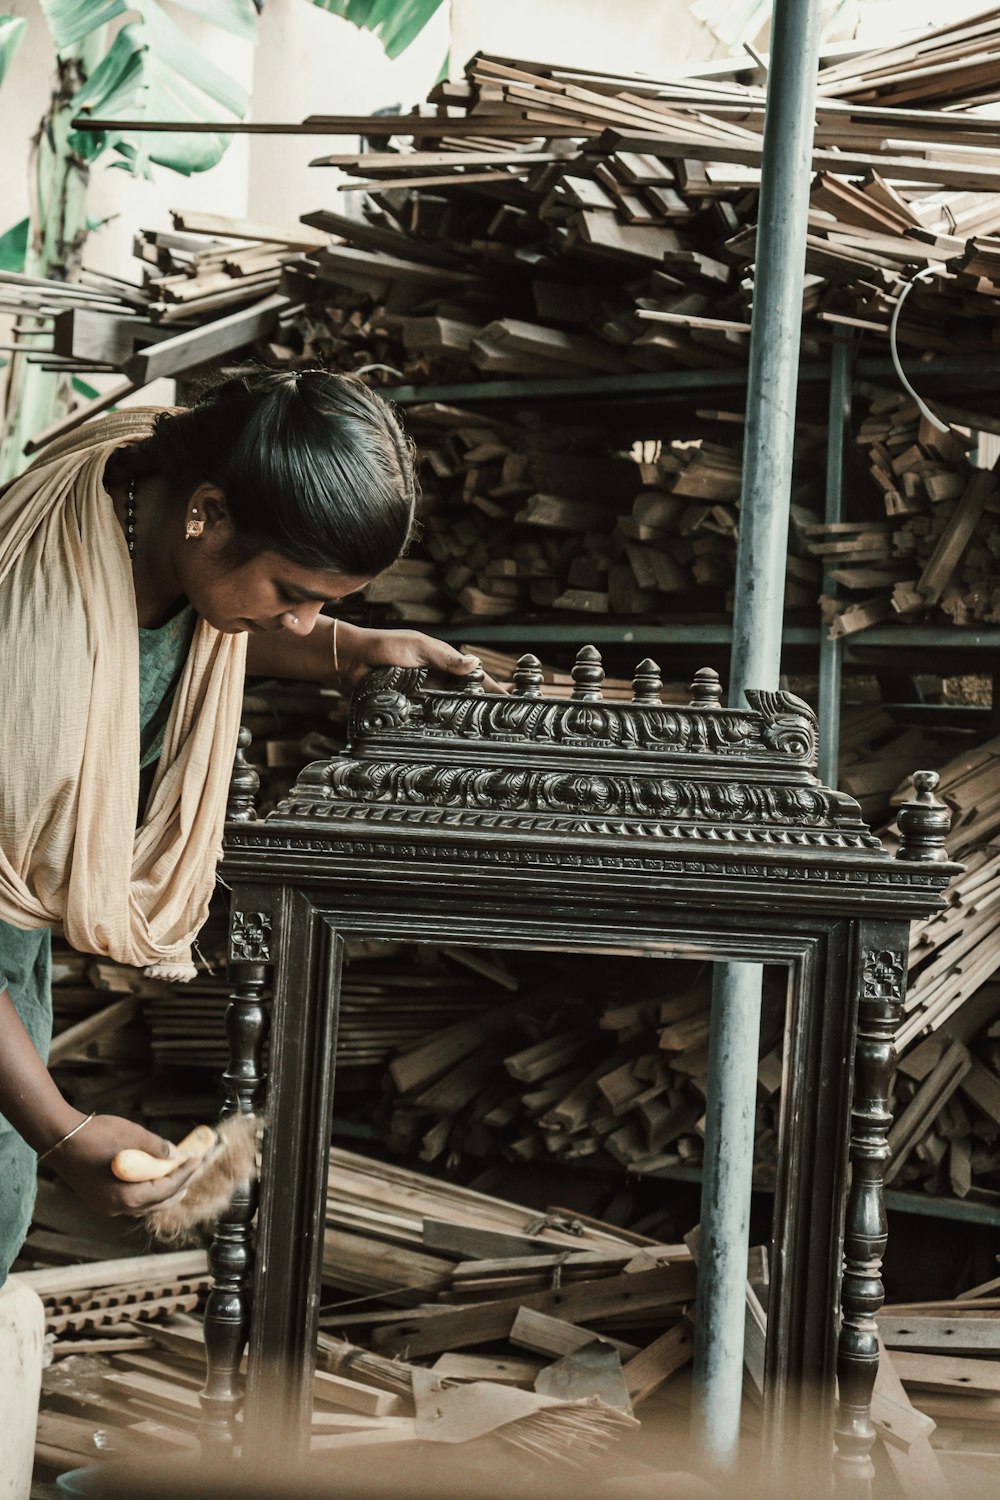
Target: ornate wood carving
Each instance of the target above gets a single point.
(250, 936)
(924, 822)
(697, 826)
(883, 983)
(639, 770)
(244, 784)
(230, 1258)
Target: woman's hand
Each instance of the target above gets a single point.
(84, 1164)
(360, 651)
(310, 657)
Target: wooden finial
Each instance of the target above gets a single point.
(647, 682)
(528, 677)
(923, 822)
(706, 689)
(588, 674)
(243, 784)
(473, 681)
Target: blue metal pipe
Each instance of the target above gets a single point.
(831, 653)
(756, 661)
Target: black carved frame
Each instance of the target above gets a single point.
(827, 959)
(326, 869)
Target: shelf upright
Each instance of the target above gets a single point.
(831, 655)
(772, 392)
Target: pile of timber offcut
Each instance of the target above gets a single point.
(587, 1065)
(946, 1132)
(955, 951)
(207, 290)
(517, 519)
(622, 236)
(936, 553)
(545, 1330)
(473, 1270)
(877, 753)
(541, 220)
(595, 1062)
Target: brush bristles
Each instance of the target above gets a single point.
(198, 1207)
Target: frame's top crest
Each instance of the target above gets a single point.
(461, 760)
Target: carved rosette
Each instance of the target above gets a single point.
(250, 937)
(384, 700)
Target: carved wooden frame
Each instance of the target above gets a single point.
(488, 818)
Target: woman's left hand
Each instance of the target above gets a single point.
(360, 651)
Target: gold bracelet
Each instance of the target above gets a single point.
(336, 662)
(67, 1137)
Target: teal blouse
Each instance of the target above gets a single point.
(26, 956)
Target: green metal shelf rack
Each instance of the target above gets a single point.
(840, 374)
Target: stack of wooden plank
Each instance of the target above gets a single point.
(934, 555)
(516, 520)
(486, 251)
(543, 220)
(877, 753)
(594, 1065)
(207, 290)
(957, 63)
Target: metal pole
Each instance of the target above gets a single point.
(831, 653)
(756, 658)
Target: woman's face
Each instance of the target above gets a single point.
(266, 593)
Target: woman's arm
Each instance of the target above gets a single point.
(33, 1104)
(309, 658)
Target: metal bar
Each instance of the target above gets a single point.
(982, 369)
(959, 1210)
(831, 652)
(961, 638)
(756, 660)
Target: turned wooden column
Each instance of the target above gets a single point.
(230, 1259)
(881, 974)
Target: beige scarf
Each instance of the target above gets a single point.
(70, 853)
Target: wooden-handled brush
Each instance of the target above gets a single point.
(228, 1157)
(139, 1166)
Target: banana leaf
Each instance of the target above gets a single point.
(14, 247)
(395, 22)
(153, 69)
(11, 32)
(70, 21)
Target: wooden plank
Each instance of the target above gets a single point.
(159, 1269)
(543, 1334)
(614, 1295)
(947, 1374)
(915, 1464)
(940, 1335)
(653, 1367)
(198, 345)
(957, 535)
(338, 1390)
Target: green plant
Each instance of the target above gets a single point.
(147, 67)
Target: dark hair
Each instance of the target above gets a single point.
(313, 465)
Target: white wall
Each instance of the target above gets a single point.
(309, 62)
(649, 36)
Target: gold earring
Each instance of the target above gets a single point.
(194, 527)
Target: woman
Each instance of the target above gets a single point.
(211, 538)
